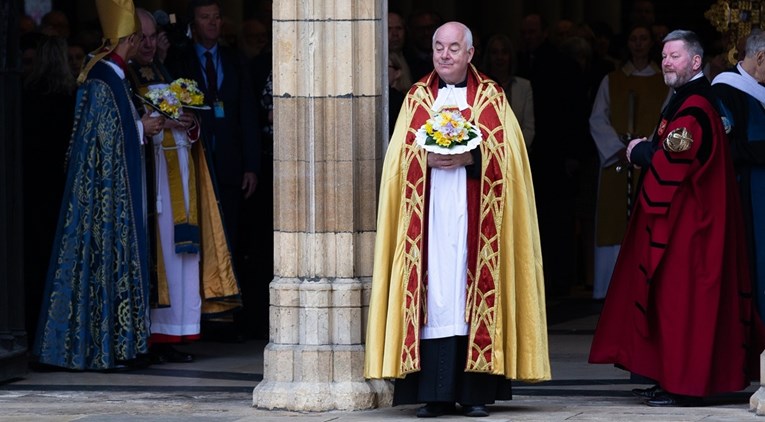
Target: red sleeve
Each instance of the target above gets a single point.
(670, 169)
(193, 131)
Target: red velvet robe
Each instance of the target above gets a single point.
(679, 308)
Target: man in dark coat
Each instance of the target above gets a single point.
(741, 99)
(230, 127)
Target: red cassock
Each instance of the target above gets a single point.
(679, 308)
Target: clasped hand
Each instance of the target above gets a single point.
(184, 121)
(444, 161)
(152, 124)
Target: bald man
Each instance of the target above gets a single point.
(436, 301)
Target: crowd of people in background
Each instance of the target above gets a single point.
(636, 178)
(579, 91)
(554, 75)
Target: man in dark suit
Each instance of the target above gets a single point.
(229, 128)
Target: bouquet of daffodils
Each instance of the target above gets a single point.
(187, 91)
(447, 132)
(164, 101)
(170, 99)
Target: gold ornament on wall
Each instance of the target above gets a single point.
(735, 19)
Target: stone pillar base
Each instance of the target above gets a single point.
(322, 396)
(757, 401)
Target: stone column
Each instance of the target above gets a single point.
(757, 400)
(328, 81)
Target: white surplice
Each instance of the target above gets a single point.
(447, 240)
(183, 316)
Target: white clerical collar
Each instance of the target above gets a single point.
(451, 96)
(118, 70)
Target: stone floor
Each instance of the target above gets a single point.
(218, 387)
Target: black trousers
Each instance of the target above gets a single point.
(442, 378)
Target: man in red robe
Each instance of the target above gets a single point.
(679, 309)
(457, 302)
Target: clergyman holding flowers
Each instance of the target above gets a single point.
(457, 243)
(171, 99)
(183, 209)
(447, 132)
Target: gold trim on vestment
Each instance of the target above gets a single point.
(508, 330)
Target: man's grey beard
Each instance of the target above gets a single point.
(673, 80)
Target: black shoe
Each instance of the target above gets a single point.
(432, 410)
(664, 399)
(476, 411)
(175, 356)
(163, 352)
(155, 358)
(647, 393)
